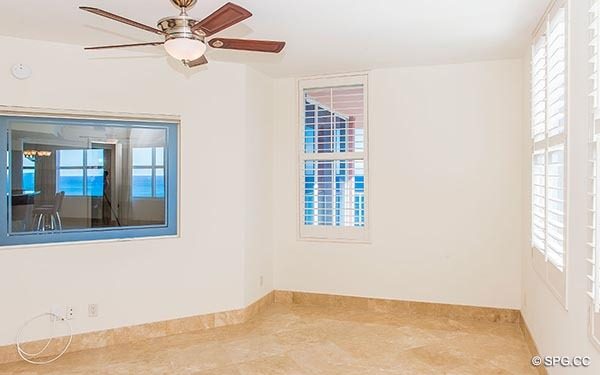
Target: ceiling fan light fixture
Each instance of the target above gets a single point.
(184, 36)
(185, 49)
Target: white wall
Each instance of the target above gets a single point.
(445, 190)
(258, 258)
(449, 195)
(557, 330)
(149, 280)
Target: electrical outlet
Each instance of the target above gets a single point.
(61, 312)
(92, 310)
(261, 282)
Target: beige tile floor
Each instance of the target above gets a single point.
(313, 340)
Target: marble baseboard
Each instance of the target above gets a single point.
(530, 343)
(124, 335)
(489, 314)
(141, 332)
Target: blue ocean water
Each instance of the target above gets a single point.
(141, 187)
(28, 181)
(73, 185)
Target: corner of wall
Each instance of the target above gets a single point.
(258, 238)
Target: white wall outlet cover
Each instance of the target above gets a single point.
(93, 310)
(69, 312)
(21, 71)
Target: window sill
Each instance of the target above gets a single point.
(334, 240)
(334, 234)
(87, 242)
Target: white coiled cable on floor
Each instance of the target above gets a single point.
(30, 357)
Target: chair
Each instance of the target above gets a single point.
(51, 212)
(22, 211)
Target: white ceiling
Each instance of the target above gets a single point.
(323, 36)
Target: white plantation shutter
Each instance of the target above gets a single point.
(538, 214)
(593, 164)
(538, 89)
(333, 158)
(548, 100)
(538, 134)
(555, 209)
(557, 73)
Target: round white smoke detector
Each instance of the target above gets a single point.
(21, 71)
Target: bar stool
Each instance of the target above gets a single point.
(43, 213)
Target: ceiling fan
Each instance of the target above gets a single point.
(185, 36)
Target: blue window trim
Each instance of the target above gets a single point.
(171, 188)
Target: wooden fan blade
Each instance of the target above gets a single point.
(127, 45)
(197, 62)
(124, 20)
(247, 45)
(226, 16)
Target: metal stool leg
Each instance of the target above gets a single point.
(40, 222)
(59, 220)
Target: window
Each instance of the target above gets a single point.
(81, 172)
(549, 136)
(28, 174)
(148, 172)
(333, 158)
(87, 179)
(593, 254)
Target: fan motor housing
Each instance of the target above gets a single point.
(184, 3)
(180, 27)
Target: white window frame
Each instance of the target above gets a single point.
(554, 277)
(593, 229)
(332, 233)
